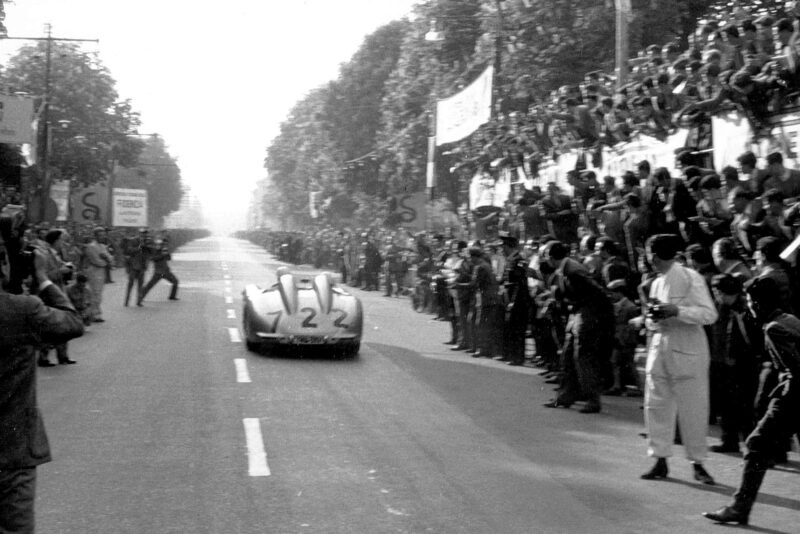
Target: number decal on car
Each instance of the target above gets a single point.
(307, 321)
(277, 315)
(339, 322)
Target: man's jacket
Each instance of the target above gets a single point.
(25, 323)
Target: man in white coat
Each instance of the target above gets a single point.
(677, 359)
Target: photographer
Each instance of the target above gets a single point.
(26, 322)
(677, 359)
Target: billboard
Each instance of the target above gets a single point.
(129, 207)
(89, 205)
(59, 195)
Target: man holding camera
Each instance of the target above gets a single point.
(677, 383)
(25, 322)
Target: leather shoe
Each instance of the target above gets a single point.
(659, 470)
(728, 514)
(500, 358)
(458, 347)
(514, 363)
(701, 475)
(66, 361)
(590, 407)
(555, 403)
(173, 298)
(553, 380)
(46, 364)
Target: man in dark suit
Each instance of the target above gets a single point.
(161, 257)
(586, 353)
(25, 322)
(136, 251)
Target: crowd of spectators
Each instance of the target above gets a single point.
(740, 61)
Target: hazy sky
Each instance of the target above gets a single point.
(215, 79)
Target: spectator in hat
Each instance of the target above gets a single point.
(516, 302)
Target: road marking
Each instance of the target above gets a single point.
(242, 376)
(228, 300)
(256, 455)
(227, 282)
(227, 277)
(231, 314)
(236, 337)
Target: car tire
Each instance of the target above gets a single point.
(351, 351)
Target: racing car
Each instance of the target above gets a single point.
(302, 311)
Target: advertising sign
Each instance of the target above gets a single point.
(89, 205)
(462, 113)
(130, 207)
(59, 194)
(16, 120)
(410, 210)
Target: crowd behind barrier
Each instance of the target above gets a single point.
(744, 59)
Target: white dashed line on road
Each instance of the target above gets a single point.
(227, 277)
(234, 334)
(242, 376)
(228, 300)
(256, 455)
(231, 314)
(227, 282)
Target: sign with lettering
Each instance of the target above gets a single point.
(89, 205)
(130, 207)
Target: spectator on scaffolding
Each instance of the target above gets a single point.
(788, 39)
(579, 118)
(756, 177)
(647, 120)
(743, 216)
(774, 222)
(787, 181)
(561, 213)
(714, 215)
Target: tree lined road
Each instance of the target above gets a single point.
(148, 431)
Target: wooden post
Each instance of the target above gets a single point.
(623, 10)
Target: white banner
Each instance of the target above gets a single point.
(16, 120)
(130, 207)
(59, 194)
(462, 113)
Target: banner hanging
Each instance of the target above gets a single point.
(59, 194)
(464, 112)
(89, 205)
(16, 120)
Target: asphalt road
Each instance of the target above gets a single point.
(168, 425)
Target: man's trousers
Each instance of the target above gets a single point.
(17, 493)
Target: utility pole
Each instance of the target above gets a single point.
(624, 13)
(44, 152)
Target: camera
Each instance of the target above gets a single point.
(655, 311)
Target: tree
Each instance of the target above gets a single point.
(89, 122)
(158, 173)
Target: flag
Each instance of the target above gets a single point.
(464, 112)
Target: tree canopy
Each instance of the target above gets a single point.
(364, 135)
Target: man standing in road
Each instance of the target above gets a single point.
(161, 269)
(517, 301)
(590, 331)
(677, 360)
(26, 321)
(782, 341)
(97, 259)
(135, 251)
